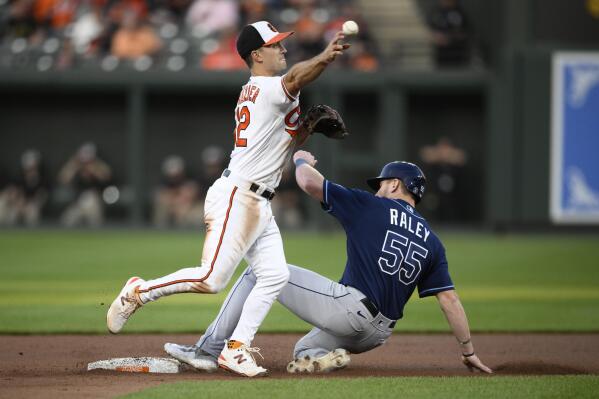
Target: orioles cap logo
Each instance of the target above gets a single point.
(272, 28)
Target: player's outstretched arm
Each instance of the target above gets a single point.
(307, 71)
(456, 317)
(308, 178)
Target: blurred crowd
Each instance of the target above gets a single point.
(450, 31)
(81, 186)
(169, 34)
(445, 164)
(175, 35)
(84, 190)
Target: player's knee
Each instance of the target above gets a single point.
(211, 285)
(204, 288)
(281, 277)
(217, 286)
(249, 274)
(273, 280)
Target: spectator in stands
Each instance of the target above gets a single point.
(9, 202)
(361, 59)
(86, 175)
(87, 28)
(175, 9)
(309, 33)
(177, 201)
(135, 38)
(225, 57)
(18, 20)
(24, 200)
(450, 35)
(213, 16)
(54, 14)
(362, 54)
(112, 15)
(444, 164)
(255, 10)
(116, 10)
(134, 29)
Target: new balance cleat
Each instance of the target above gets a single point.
(192, 355)
(335, 360)
(238, 358)
(125, 304)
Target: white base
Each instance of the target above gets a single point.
(138, 365)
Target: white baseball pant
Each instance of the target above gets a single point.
(239, 224)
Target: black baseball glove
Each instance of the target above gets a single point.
(325, 120)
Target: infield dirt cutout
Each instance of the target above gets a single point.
(56, 365)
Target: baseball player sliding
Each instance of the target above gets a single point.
(238, 215)
(391, 251)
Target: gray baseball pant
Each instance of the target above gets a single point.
(339, 317)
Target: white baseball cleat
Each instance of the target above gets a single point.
(123, 306)
(192, 355)
(335, 360)
(238, 358)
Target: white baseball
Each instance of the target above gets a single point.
(350, 28)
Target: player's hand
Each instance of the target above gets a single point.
(474, 364)
(334, 48)
(306, 156)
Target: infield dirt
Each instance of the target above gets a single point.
(55, 365)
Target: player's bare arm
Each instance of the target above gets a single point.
(307, 71)
(308, 178)
(456, 317)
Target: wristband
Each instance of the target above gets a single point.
(468, 354)
(300, 162)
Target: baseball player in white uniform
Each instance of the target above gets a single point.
(238, 214)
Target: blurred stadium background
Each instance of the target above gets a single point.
(121, 112)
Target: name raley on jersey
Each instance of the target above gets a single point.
(405, 221)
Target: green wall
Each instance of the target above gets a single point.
(501, 118)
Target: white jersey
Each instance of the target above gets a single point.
(267, 118)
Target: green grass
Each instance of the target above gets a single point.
(405, 387)
(63, 281)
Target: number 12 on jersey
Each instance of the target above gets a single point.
(393, 260)
(242, 118)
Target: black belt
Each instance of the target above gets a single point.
(266, 193)
(255, 187)
(373, 309)
(370, 306)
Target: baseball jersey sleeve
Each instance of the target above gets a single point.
(437, 279)
(343, 203)
(278, 94)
